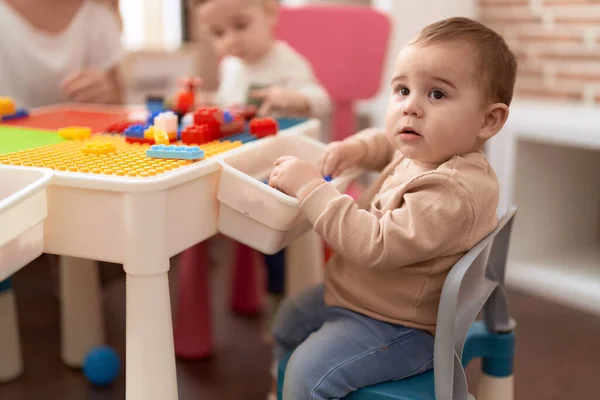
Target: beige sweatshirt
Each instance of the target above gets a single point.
(395, 247)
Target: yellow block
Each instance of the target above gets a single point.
(75, 132)
(7, 106)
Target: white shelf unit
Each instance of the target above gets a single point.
(548, 163)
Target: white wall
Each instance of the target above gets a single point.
(151, 24)
(408, 18)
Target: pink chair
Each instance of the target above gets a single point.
(347, 47)
(348, 60)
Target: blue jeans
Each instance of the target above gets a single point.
(337, 351)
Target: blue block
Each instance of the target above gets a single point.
(155, 104)
(20, 113)
(153, 114)
(327, 178)
(136, 131)
(227, 117)
(176, 152)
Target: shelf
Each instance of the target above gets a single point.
(562, 124)
(571, 277)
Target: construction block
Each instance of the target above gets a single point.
(166, 121)
(120, 127)
(200, 134)
(155, 104)
(176, 152)
(75, 132)
(7, 106)
(149, 132)
(136, 131)
(127, 161)
(99, 148)
(20, 113)
(161, 137)
(135, 140)
(207, 115)
(262, 127)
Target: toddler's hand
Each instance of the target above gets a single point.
(340, 156)
(295, 177)
(90, 86)
(277, 99)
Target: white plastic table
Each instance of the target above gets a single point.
(141, 223)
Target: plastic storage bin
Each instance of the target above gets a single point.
(23, 208)
(254, 213)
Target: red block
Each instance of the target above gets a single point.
(200, 134)
(261, 127)
(133, 140)
(119, 127)
(206, 116)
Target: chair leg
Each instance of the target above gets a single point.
(193, 332)
(11, 362)
(496, 350)
(246, 295)
(495, 388)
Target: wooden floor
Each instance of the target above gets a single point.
(558, 349)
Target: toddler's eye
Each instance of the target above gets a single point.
(402, 90)
(240, 26)
(437, 94)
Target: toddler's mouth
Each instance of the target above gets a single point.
(409, 131)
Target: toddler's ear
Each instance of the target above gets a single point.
(272, 10)
(493, 120)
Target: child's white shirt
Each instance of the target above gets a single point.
(282, 66)
(33, 64)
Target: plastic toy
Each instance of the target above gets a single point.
(119, 127)
(7, 106)
(101, 366)
(20, 113)
(262, 127)
(176, 152)
(75, 132)
(186, 98)
(135, 130)
(155, 104)
(127, 160)
(200, 134)
(99, 148)
(167, 121)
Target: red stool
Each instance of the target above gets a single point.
(193, 333)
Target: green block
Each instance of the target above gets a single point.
(14, 139)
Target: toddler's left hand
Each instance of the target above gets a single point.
(295, 177)
(277, 99)
(90, 86)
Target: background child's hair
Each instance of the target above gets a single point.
(496, 61)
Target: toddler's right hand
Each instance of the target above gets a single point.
(340, 156)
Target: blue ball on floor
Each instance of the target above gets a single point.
(101, 366)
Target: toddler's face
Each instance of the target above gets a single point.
(240, 28)
(437, 106)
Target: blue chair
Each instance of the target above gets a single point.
(474, 284)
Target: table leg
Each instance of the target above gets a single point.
(150, 369)
(82, 318)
